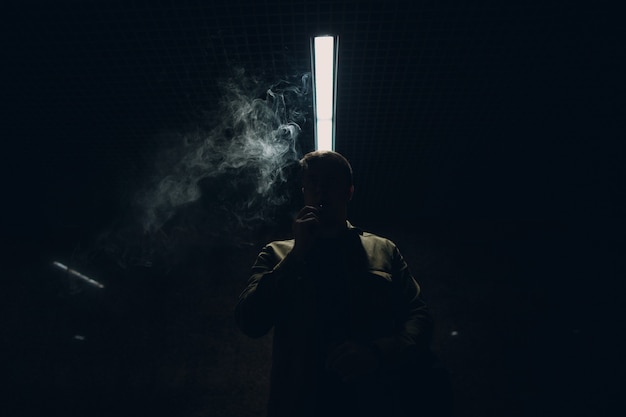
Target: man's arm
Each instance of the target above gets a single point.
(412, 333)
(414, 325)
(258, 304)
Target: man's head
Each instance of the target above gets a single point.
(327, 183)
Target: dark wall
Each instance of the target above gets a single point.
(487, 141)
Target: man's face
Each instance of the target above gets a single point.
(325, 187)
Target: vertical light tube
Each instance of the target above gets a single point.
(324, 63)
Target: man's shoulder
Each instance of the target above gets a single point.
(288, 243)
(374, 239)
(378, 246)
(280, 247)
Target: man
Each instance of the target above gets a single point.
(350, 328)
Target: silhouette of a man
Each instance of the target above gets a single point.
(351, 332)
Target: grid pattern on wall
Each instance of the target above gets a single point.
(433, 100)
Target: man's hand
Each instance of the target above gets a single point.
(304, 229)
(352, 361)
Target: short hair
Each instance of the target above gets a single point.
(333, 158)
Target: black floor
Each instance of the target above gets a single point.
(526, 315)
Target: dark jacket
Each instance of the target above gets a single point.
(356, 287)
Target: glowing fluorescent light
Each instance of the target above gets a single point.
(324, 57)
(77, 274)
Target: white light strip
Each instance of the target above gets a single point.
(77, 274)
(324, 56)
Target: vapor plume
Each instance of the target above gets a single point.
(230, 171)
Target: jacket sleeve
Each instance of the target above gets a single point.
(413, 323)
(259, 302)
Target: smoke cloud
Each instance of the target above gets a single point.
(227, 181)
(230, 172)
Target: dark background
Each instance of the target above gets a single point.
(487, 141)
